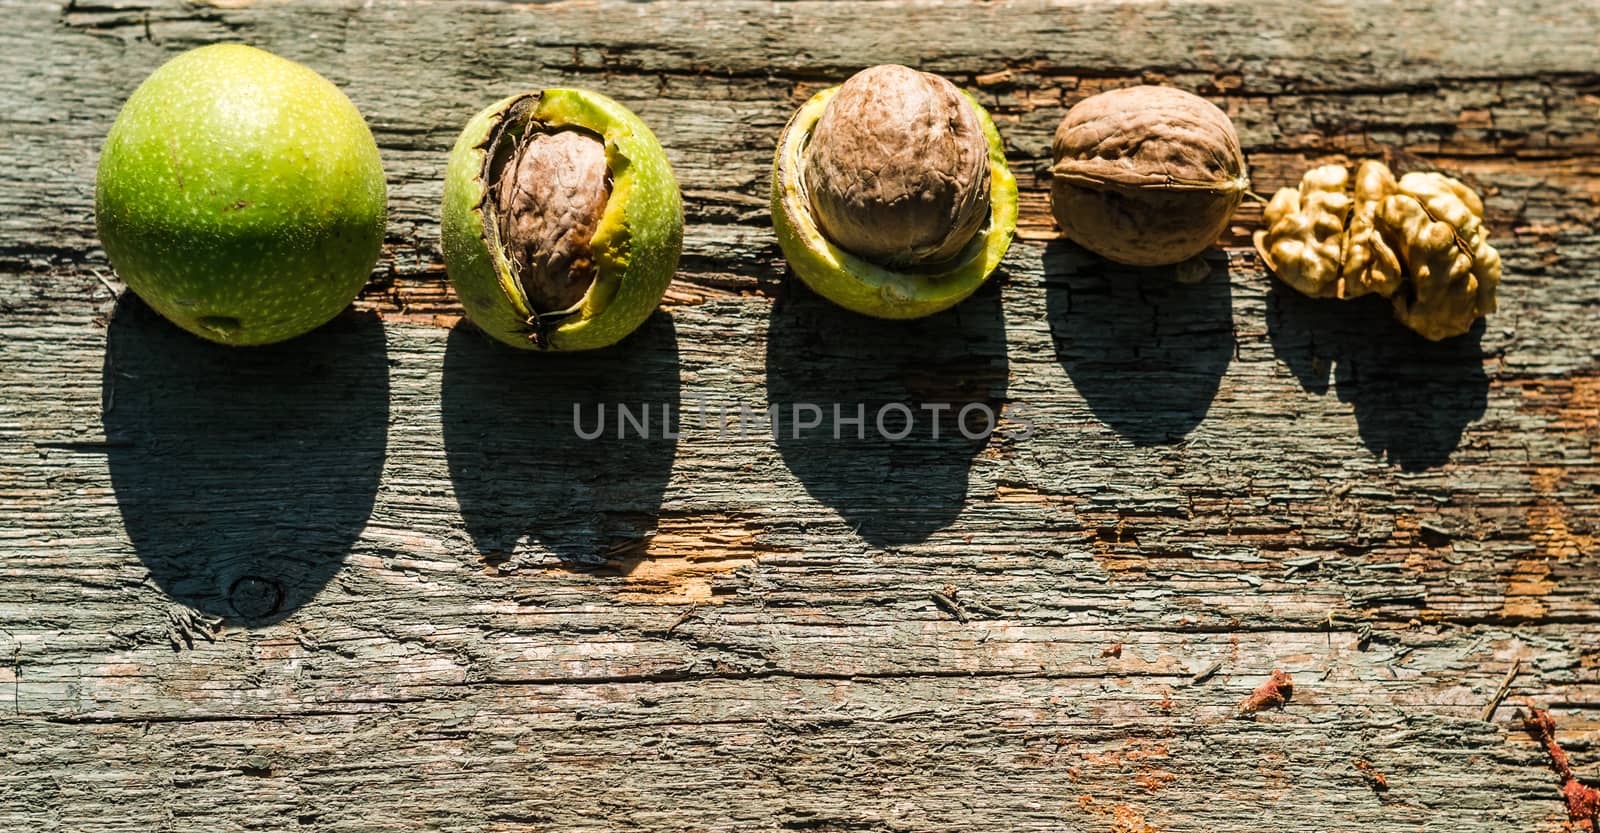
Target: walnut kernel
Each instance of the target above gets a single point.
(1419, 241)
(1439, 232)
(1322, 237)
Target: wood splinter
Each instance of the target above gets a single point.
(946, 602)
(1501, 692)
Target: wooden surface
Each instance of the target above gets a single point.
(370, 581)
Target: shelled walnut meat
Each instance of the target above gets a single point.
(1324, 239)
(1147, 175)
(1419, 241)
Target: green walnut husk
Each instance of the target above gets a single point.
(241, 195)
(861, 285)
(635, 246)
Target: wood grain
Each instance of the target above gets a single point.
(370, 580)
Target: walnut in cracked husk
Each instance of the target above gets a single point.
(549, 200)
(890, 193)
(1419, 241)
(897, 168)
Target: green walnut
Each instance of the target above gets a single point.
(890, 193)
(562, 223)
(241, 195)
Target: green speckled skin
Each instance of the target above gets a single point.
(636, 246)
(861, 285)
(241, 195)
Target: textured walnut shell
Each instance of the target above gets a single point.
(897, 168)
(549, 198)
(1419, 241)
(1146, 175)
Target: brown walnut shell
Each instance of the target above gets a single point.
(1146, 175)
(897, 168)
(549, 199)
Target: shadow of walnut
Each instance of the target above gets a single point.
(1413, 398)
(244, 475)
(1145, 352)
(894, 491)
(523, 476)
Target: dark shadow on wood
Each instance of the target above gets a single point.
(1145, 351)
(244, 475)
(1413, 398)
(526, 481)
(893, 491)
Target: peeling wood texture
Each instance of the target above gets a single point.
(371, 581)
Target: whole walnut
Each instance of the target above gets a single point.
(1146, 175)
(897, 168)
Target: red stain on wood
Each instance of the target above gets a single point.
(1583, 801)
(1272, 694)
(1155, 780)
(1554, 524)
(1375, 779)
(1123, 819)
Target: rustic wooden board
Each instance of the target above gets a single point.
(369, 580)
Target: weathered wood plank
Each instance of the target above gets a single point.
(370, 580)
